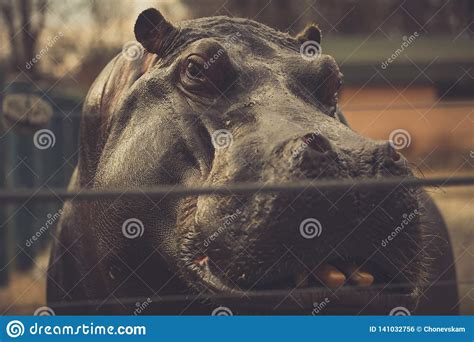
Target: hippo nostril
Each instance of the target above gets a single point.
(317, 142)
(392, 163)
(392, 153)
(396, 156)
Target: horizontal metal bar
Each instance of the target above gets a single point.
(242, 297)
(468, 105)
(54, 195)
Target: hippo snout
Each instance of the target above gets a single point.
(349, 225)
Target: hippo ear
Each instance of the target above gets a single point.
(152, 31)
(311, 32)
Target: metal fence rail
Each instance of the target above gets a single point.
(54, 195)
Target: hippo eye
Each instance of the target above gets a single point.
(205, 72)
(195, 68)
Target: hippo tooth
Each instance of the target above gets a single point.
(330, 276)
(357, 276)
(301, 280)
(362, 278)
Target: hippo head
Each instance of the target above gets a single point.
(218, 101)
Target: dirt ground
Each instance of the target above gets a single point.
(27, 291)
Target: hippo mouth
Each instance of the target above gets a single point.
(371, 285)
(324, 276)
(370, 292)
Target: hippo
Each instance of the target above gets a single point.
(219, 101)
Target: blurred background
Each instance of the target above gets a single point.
(407, 65)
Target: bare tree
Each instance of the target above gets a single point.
(24, 21)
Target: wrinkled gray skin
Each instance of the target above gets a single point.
(149, 122)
